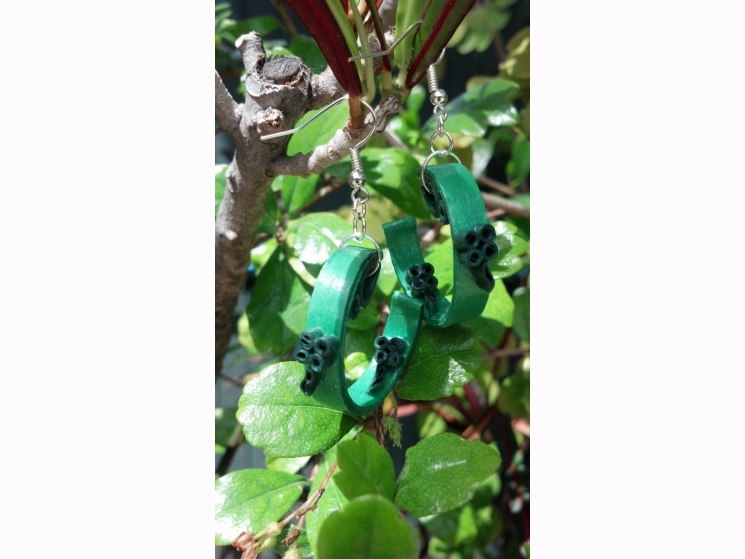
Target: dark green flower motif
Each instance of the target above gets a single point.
(389, 355)
(316, 352)
(475, 249)
(424, 285)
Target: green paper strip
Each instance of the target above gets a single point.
(464, 209)
(329, 310)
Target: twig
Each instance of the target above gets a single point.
(499, 353)
(312, 500)
(496, 185)
(337, 147)
(334, 184)
(513, 208)
(476, 432)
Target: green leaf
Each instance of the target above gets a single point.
(514, 399)
(307, 49)
(483, 152)
(219, 185)
(442, 472)
(302, 542)
(263, 25)
(248, 500)
(333, 499)
(455, 527)
(440, 255)
(369, 527)
(311, 240)
(390, 172)
(279, 418)
(387, 280)
(441, 361)
(522, 313)
(497, 315)
(475, 110)
(320, 130)
(510, 246)
(364, 468)
(518, 167)
(278, 306)
(225, 424)
(430, 423)
(268, 223)
(296, 191)
(288, 465)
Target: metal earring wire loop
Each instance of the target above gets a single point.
(359, 238)
(307, 122)
(439, 153)
(389, 50)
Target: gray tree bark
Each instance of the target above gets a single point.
(278, 93)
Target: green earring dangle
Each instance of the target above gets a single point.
(451, 194)
(347, 280)
(343, 287)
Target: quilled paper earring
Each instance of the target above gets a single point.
(343, 287)
(452, 196)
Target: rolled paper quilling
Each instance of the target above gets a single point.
(343, 286)
(455, 199)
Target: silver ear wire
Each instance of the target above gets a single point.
(306, 123)
(389, 50)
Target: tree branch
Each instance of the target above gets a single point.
(497, 202)
(226, 109)
(336, 148)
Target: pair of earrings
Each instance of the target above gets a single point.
(347, 280)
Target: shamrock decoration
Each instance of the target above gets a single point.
(424, 285)
(316, 352)
(475, 249)
(389, 355)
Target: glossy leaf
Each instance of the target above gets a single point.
(387, 280)
(391, 172)
(475, 110)
(511, 247)
(441, 360)
(369, 527)
(248, 500)
(296, 191)
(279, 418)
(312, 239)
(308, 50)
(288, 465)
(442, 472)
(522, 313)
(333, 499)
(364, 468)
(441, 257)
(497, 315)
(302, 542)
(263, 25)
(514, 399)
(268, 223)
(455, 527)
(518, 167)
(278, 306)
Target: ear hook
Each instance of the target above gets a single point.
(357, 181)
(389, 50)
(306, 123)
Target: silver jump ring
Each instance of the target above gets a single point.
(439, 153)
(439, 134)
(360, 238)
